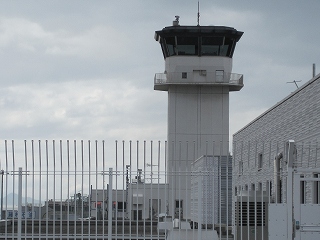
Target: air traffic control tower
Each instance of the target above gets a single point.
(198, 79)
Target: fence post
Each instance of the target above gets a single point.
(2, 173)
(290, 201)
(20, 203)
(110, 205)
(200, 214)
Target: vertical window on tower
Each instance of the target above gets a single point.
(316, 190)
(227, 48)
(184, 75)
(187, 45)
(240, 168)
(260, 161)
(217, 46)
(171, 46)
(211, 46)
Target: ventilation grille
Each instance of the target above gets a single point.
(253, 213)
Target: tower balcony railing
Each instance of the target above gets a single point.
(162, 81)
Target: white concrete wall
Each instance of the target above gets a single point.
(177, 64)
(139, 196)
(198, 119)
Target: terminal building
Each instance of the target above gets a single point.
(276, 169)
(263, 141)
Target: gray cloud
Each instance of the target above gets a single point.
(72, 70)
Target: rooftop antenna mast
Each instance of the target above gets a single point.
(198, 16)
(313, 70)
(295, 82)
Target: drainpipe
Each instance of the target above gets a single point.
(277, 178)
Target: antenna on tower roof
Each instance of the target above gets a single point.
(198, 16)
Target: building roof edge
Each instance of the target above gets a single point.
(317, 77)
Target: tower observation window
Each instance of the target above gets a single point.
(211, 46)
(187, 45)
(198, 46)
(171, 45)
(216, 46)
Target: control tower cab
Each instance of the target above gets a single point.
(199, 55)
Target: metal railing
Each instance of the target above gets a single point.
(95, 190)
(235, 79)
(122, 190)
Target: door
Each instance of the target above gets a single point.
(154, 208)
(306, 208)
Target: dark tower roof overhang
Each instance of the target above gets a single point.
(198, 40)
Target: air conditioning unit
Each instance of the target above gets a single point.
(251, 215)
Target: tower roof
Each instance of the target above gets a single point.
(198, 40)
(189, 31)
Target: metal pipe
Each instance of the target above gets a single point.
(277, 180)
(2, 173)
(20, 203)
(110, 204)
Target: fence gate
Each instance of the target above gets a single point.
(298, 217)
(306, 215)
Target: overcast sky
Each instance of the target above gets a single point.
(85, 69)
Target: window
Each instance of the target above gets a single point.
(260, 161)
(219, 75)
(240, 168)
(217, 46)
(178, 203)
(269, 186)
(211, 46)
(187, 45)
(197, 46)
(178, 213)
(302, 191)
(122, 206)
(316, 189)
(227, 48)
(184, 75)
(171, 46)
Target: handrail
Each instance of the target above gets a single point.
(161, 78)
